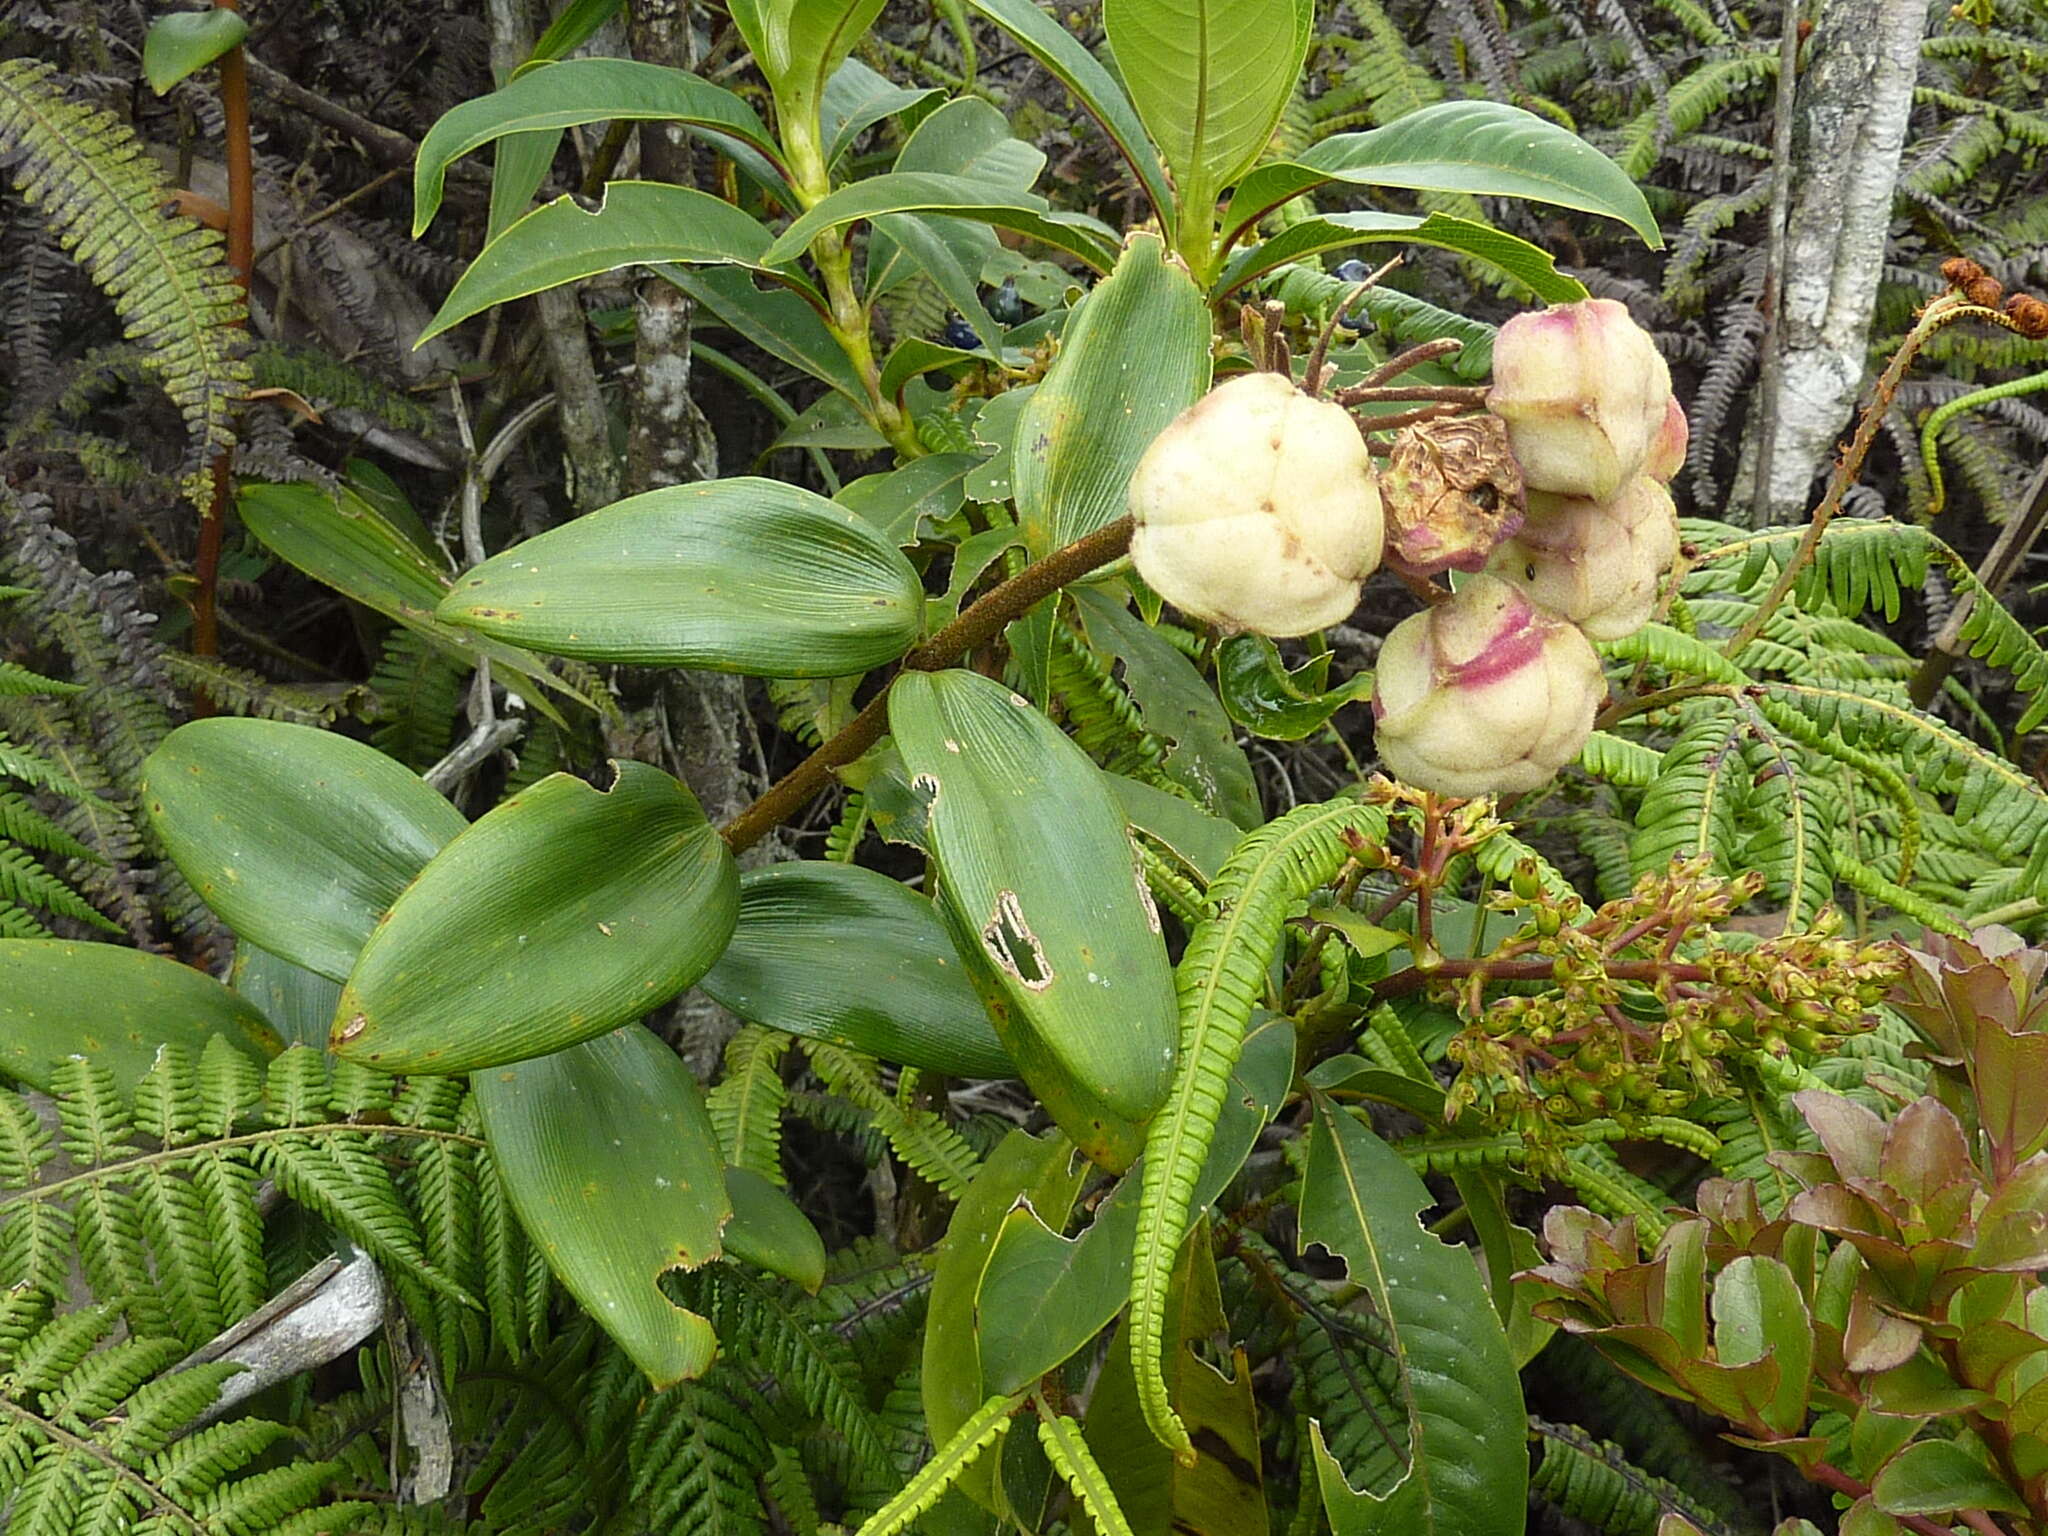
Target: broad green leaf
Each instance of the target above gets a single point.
(562, 914)
(1530, 265)
(743, 575)
(1221, 1494)
(906, 501)
(299, 839)
(299, 1003)
(1457, 146)
(968, 137)
(612, 1165)
(1177, 706)
(1094, 87)
(341, 540)
(638, 222)
(914, 356)
(768, 1231)
(832, 421)
(1199, 840)
(184, 42)
(1043, 1296)
(840, 953)
(519, 164)
(1264, 697)
(1465, 1473)
(570, 94)
(113, 1006)
(578, 23)
(1042, 1172)
(807, 41)
(1938, 1477)
(1105, 397)
(779, 322)
(1759, 1314)
(857, 98)
(1209, 78)
(921, 192)
(1039, 877)
(952, 264)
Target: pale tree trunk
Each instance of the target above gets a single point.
(1855, 93)
(704, 721)
(579, 407)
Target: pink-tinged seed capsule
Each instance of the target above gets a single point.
(1258, 509)
(1667, 449)
(1584, 393)
(1597, 563)
(1484, 694)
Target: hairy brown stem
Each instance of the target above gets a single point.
(1364, 394)
(981, 623)
(1414, 357)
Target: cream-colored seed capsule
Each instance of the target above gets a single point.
(1598, 563)
(1484, 694)
(1585, 394)
(1257, 509)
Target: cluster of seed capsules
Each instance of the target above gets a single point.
(1260, 509)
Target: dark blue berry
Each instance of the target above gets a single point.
(1353, 271)
(1005, 306)
(958, 333)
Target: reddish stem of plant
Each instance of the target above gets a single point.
(1401, 983)
(980, 623)
(241, 252)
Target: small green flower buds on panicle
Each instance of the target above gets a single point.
(1584, 393)
(1484, 693)
(1452, 493)
(1596, 562)
(1257, 509)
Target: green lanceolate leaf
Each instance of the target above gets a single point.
(639, 222)
(920, 192)
(1094, 87)
(1263, 696)
(777, 321)
(856, 98)
(113, 1006)
(768, 1231)
(1043, 1296)
(1219, 981)
(1465, 1473)
(1209, 78)
(185, 42)
(743, 575)
(612, 1165)
(299, 839)
(1939, 1477)
(1039, 876)
(569, 94)
(340, 538)
(1530, 265)
(562, 914)
(836, 952)
(1134, 355)
(299, 1003)
(1457, 146)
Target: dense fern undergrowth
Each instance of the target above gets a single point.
(295, 1296)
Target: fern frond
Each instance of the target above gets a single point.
(1218, 981)
(986, 1425)
(695, 1455)
(101, 192)
(746, 1106)
(918, 1136)
(1076, 1465)
(1595, 1482)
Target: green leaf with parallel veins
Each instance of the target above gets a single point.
(340, 539)
(639, 222)
(612, 1165)
(1210, 79)
(743, 575)
(919, 192)
(1939, 1477)
(568, 95)
(1043, 1296)
(185, 42)
(1465, 1473)
(297, 838)
(1457, 146)
(564, 913)
(113, 1006)
(1134, 355)
(840, 953)
(768, 1231)
(1530, 265)
(1094, 87)
(299, 1003)
(1264, 697)
(1039, 876)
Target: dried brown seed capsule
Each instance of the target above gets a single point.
(1451, 491)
